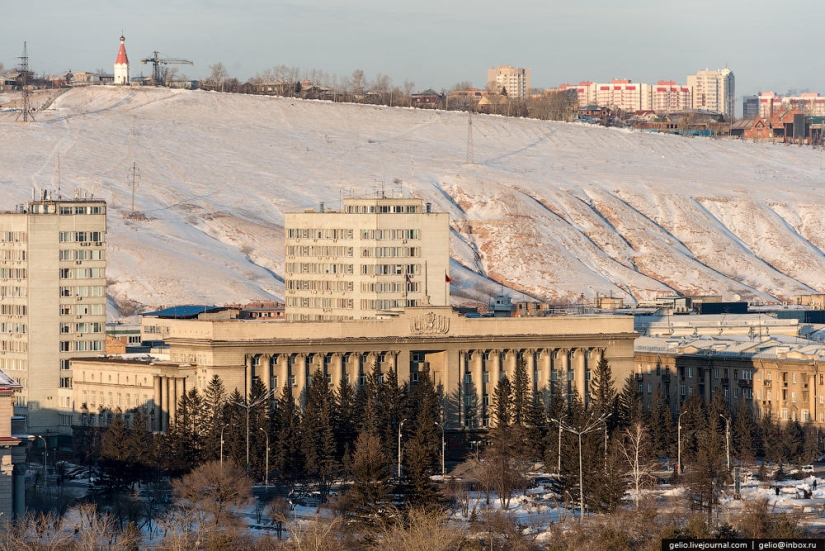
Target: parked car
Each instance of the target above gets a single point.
(808, 469)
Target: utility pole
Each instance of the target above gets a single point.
(135, 176)
(248, 406)
(439, 425)
(399, 448)
(727, 437)
(592, 425)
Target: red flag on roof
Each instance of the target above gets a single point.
(447, 278)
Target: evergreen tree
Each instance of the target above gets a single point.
(367, 499)
(346, 422)
(318, 439)
(555, 412)
(771, 439)
(503, 404)
(422, 450)
(603, 400)
(259, 415)
(285, 458)
(114, 456)
(629, 404)
(215, 401)
(659, 424)
(743, 432)
(793, 440)
(140, 446)
(537, 427)
(234, 447)
(708, 474)
(810, 450)
(521, 394)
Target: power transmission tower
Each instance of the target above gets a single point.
(26, 112)
(470, 152)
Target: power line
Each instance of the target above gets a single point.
(26, 112)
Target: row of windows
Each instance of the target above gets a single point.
(82, 291)
(382, 209)
(390, 252)
(81, 346)
(83, 327)
(81, 254)
(318, 268)
(12, 237)
(12, 364)
(82, 273)
(12, 273)
(390, 287)
(81, 309)
(13, 255)
(324, 285)
(13, 327)
(81, 236)
(319, 302)
(90, 398)
(13, 309)
(17, 291)
(317, 233)
(379, 235)
(94, 209)
(390, 269)
(387, 304)
(14, 346)
(320, 250)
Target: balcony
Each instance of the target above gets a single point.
(745, 383)
(725, 381)
(640, 377)
(766, 382)
(666, 377)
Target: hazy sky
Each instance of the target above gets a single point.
(769, 45)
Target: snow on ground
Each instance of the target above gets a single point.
(551, 209)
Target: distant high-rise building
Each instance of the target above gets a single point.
(514, 80)
(750, 107)
(122, 64)
(714, 91)
(52, 302)
(374, 258)
(667, 97)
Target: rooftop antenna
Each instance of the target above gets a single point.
(470, 152)
(26, 111)
(135, 176)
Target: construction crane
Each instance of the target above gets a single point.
(157, 61)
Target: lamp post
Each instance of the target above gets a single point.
(399, 448)
(248, 406)
(266, 475)
(442, 449)
(45, 459)
(223, 427)
(558, 466)
(592, 425)
(679, 445)
(727, 437)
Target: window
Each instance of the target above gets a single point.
(690, 373)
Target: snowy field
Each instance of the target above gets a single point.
(554, 210)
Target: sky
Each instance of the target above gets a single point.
(770, 46)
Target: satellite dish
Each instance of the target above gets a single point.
(736, 297)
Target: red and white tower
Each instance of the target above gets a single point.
(122, 65)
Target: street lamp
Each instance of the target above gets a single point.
(223, 427)
(266, 475)
(679, 446)
(45, 459)
(399, 448)
(727, 437)
(248, 406)
(442, 448)
(592, 425)
(558, 467)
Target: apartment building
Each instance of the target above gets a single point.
(52, 301)
(668, 97)
(372, 259)
(714, 91)
(808, 103)
(515, 80)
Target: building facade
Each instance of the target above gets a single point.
(12, 457)
(52, 301)
(514, 80)
(668, 97)
(714, 91)
(122, 72)
(374, 258)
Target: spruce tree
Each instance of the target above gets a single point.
(285, 457)
(318, 439)
(659, 424)
(422, 448)
(743, 432)
(367, 499)
(629, 404)
(603, 400)
(521, 394)
(215, 399)
(346, 422)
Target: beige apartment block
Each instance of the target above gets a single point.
(12, 458)
(466, 357)
(52, 302)
(714, 91)
(515, 80)
(372, 259)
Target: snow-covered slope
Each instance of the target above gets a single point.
(553, 210)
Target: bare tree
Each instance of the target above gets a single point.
(408, 86)
(424, 531)
(218, 76)
(214, 490)
(358, 81)
(635, 448)
(316, 535)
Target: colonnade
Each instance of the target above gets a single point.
(168, 392)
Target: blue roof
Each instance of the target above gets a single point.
(185, 311)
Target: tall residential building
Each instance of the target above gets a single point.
(714, 91)
(52, 302)
(515, 80)
(667, 97)
(750, 107)
(375, 257)
(122, 64)
(623, 94)
(809, 103)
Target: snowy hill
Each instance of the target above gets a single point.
(553, 210)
